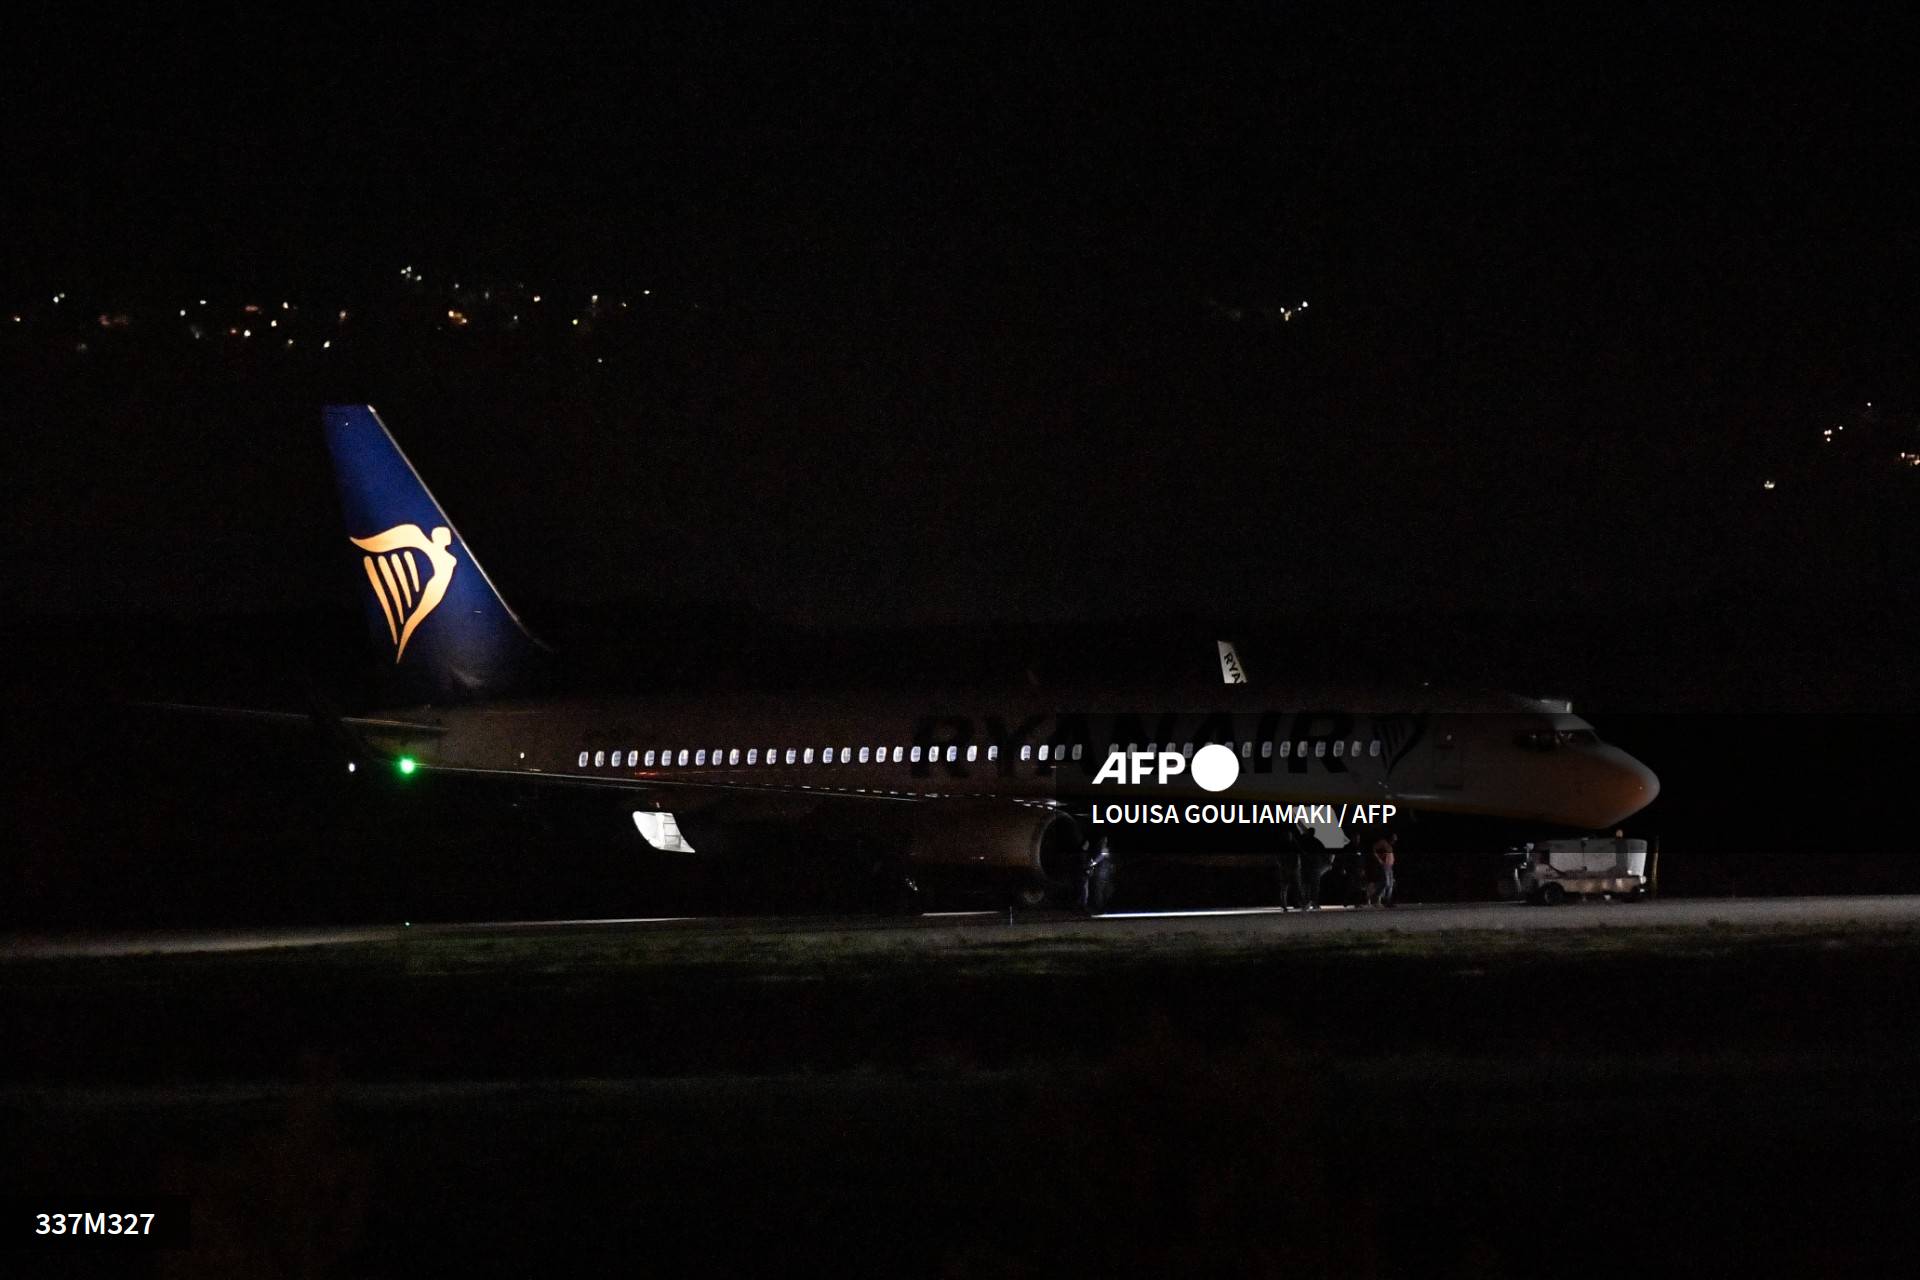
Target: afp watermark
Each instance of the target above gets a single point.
(1214, 768)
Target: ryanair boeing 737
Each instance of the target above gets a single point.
(1001, 789)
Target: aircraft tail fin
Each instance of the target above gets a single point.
(442, 627)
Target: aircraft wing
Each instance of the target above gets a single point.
(700, 785)
(298, 719)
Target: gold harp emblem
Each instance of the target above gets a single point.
(393, 570)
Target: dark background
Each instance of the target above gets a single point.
(938, 348)
(946, 348)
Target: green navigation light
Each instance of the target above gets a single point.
(408, 764)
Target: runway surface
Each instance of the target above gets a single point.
(1248, 925)
(1721, 1068)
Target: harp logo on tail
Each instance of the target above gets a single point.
(394, 570)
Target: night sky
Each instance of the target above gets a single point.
(950, 319)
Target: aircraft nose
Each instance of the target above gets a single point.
(1622, 786)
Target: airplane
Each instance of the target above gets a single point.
(995, 790)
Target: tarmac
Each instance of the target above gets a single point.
(1478, 1089)
(1220, 925)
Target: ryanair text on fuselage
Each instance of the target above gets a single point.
(1110, 733)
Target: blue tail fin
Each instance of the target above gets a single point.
(434, 615)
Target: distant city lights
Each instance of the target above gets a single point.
(485, 307)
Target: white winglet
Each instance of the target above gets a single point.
(1231, 672)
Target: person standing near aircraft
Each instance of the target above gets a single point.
(1291, 890)
(1314, 862)
(1381, 890)
(1096, 885)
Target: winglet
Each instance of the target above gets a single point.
(1231, 672)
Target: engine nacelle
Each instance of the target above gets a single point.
(1029, 843)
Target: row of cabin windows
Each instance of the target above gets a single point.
(725, 756)
(1316, 748)
(1056, 751)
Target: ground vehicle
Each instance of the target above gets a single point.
(1550, 872)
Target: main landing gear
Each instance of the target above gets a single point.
(1088, 890)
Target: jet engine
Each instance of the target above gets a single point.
(1021, 843)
